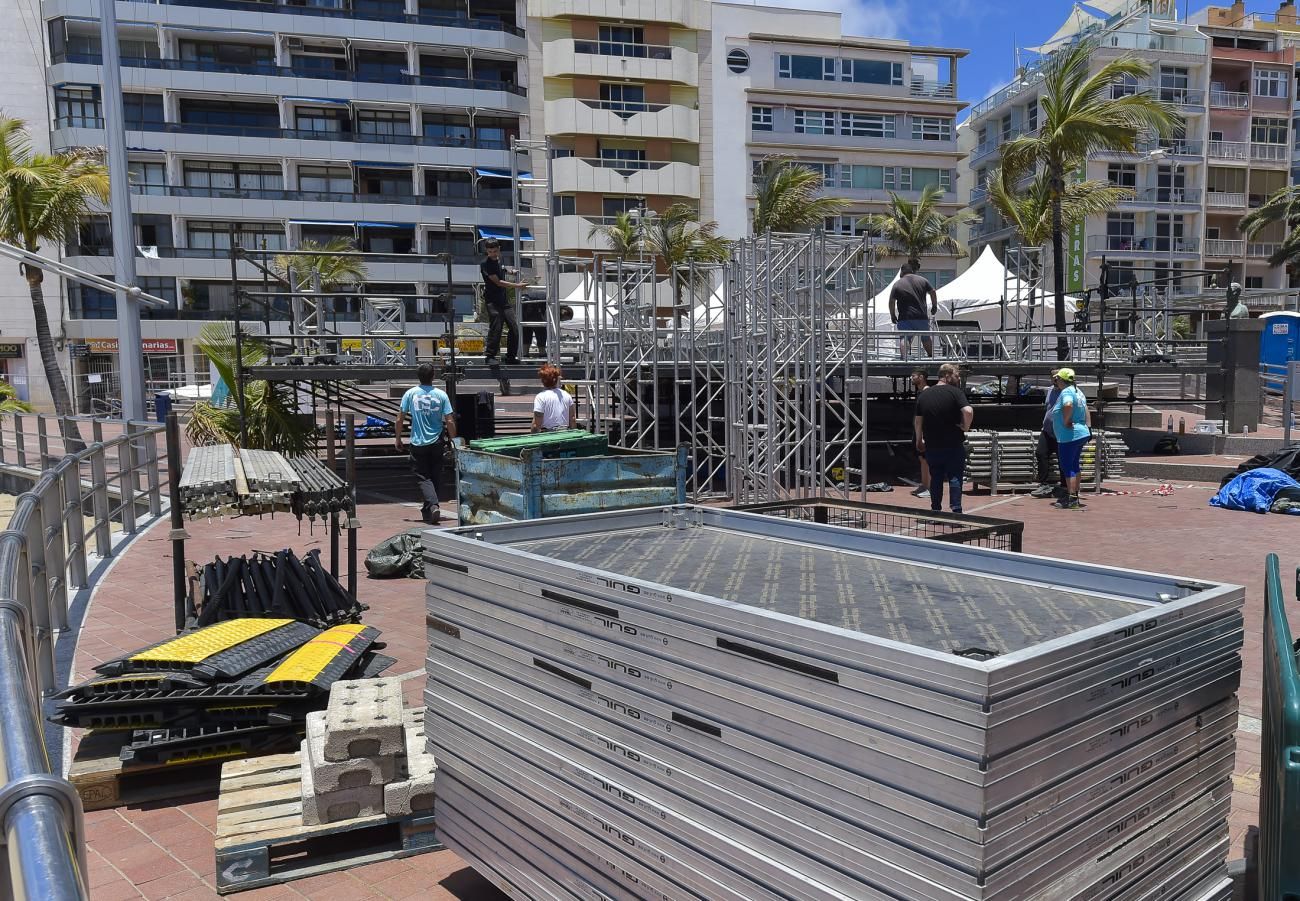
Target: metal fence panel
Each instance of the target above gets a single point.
(1279, 783)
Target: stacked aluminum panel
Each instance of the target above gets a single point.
(207, 484)
(701, 703)
(1018, 465)
(271, 478)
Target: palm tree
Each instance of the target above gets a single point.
(1080, 117)
(788, 197)
(911, 229)
(1028, 209)
(331, 262)
(687, 247)
(271, 421)
(1282, 206)
(42, 199)
(623, 235)
(9, 402)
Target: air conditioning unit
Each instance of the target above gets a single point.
(293, 43)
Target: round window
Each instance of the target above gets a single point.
(738, 61)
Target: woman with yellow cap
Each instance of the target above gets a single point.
(1070, 423)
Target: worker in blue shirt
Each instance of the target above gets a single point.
(1070, 423)
(433, 428)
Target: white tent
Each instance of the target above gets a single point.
(977, 296)
(1078, 20)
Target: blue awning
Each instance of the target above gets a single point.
(320, 222)
(385, 225)
(499, 173)
(366, 164)
(145, 150)
(502, 235)
(321, 101)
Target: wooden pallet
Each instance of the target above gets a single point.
(262, 840)
(104, 782)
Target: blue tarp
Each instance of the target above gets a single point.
(1253, 491)
(501, 234)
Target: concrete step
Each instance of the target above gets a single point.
(1177, 469)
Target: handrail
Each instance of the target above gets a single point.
(43, 555)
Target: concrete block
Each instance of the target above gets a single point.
(331, 807)
(364, 719)
(414, 794)
(355, 772)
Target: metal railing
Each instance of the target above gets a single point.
(626, 49)
(1229, 150)
(1280, 383)
(81, 491)
(341, 10)
(1270, 153)
(934, 89)
(1229, 99)
(1232, 200)
(298, 134)
(1164, 195)
(1262, 249)
(1224, 247)
(495, 200)
(1141, 244)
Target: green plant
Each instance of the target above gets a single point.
(623, 235)
(912, 228)
(331, 262)
(9, 401)
(1282, 206)
(43, 199)
(788, 197)
(271, 421)
(1080, 116)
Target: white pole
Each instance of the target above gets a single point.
(129, 352)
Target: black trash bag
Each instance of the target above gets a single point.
(1286, 459)
(1167, 445)
(399, 556)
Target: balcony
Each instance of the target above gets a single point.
(1270, 153)
(1232, 151)
(573, 232)
(979, 195)
(1161, 43)
(1175, 147)
(1229, 100)
(1151, 246)
(607, 59)
(1261, 249)
(932, 90)
(1185, 97)
(637, 177)
(1225, 200)
(339, 11)
(363, 77)
(686, 13)
(622, 119)
(1164, 197)
(1225, 247)
(496, 201)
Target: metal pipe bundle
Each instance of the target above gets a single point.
(278, 584)
(322, 491)
(271, 478)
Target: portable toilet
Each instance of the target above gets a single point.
(1280, 342)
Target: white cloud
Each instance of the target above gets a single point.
(863, 18)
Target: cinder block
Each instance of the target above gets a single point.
(414, 794)
(364, 719)
(355, 772)
(330, 807)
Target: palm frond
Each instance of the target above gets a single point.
(788, 197)
(914, 228)
(622, 235)
(331, 261)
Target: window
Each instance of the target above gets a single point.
(216, 235)
(142, 109)
(624, 159)
(147, 177)
(447, 130)
(804, 67)
(223, 112)
(1164, 223)
(325, 179)
(318, 119)
(931, 128)
(77, 107)
(384, 182)
(868, 125)
(819, 68)
(222, 179)
(565, 205)
(864, 178)
(911, 178)
(612, 206)
(868, 71)
(1031, 115)
(1122, 174)
(845, 225)
(622, 40)
(829, 172)
(760, 118)
(1170, 182)
(1254, 281)
(1119, 225)
(738, 61)
(1174, 82)
(814, 122)
(1005, 127)
(233, 56)
(1271, 83)
(623, 99)
(393, 123)
(1269, 131)
(938, 277)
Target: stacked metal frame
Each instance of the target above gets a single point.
(692, 702)
(208, 482)
(271, 479)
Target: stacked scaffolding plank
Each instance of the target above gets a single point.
(698, 703)
(208, 482)
(1007, 459)
(271, 478)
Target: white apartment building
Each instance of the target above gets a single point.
(1233, 90)
(286, 122)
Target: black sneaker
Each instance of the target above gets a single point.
(1069, 503)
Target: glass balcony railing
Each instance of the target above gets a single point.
(1164, 195)
(341, 10)
(300, 134)
(1142, 245)
(493, 201)
(624, 49)
(364, 76)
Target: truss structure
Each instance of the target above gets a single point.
(383, 323)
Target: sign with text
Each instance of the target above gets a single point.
(1074, 251)
(10, 351)
(102, 345)
(158, 345)
(79, 350)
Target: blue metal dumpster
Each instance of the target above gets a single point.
(1279, 766)
(495, 488)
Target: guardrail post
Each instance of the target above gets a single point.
(178, 535)
(353, 523)
(42, 442)
(56, 559)
(152, 478)
(97, 430)
(126, 480)
(99, 497)
(37, 576)
(74, 519)
(20, 446)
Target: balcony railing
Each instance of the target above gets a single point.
(934, 89)
(624, 108)
(1229, 150)
(1262, 249)
(494, 201)
(299, 134)
(624, 49)
(625, 166)
(340, 11)
(1165, 195)
(364, 76)
(1136, 40)
(1225, 200)
(1181, 96)
(1229, 99)
(1224, 247)
(1153, 245)
(1270, 153)
(979, 195)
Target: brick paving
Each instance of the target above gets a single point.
(166, 850)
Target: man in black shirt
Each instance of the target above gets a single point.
(500, 310)
(907, 308)
(943, 417)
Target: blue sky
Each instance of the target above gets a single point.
(989, 29)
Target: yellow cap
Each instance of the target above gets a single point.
(1066, 374)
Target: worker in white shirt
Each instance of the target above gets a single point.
(553, 408)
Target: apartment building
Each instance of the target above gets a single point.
(285, 123)
(873, 116)
(622, 90)
(1233, 85)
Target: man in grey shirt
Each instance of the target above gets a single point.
(907, 309)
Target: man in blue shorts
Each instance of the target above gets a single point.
(907, 309)
(1070, 423)
(433, 425)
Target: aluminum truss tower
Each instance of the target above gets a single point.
(796, 365)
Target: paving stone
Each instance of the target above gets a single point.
(355, 772)
(330, 807)
(414, 794)
(364, 719)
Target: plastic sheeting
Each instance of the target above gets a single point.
(1254, 491)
